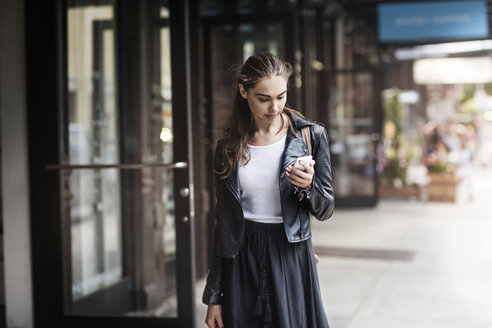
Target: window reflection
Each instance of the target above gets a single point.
(96, 252)
(167, 138)
(116, 271)
(350, 109)
(232, 45)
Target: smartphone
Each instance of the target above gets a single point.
(305, 159)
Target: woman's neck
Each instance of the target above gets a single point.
(270, 133)
(271, 127)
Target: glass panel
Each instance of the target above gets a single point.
(166, 188)
(351, 125)
(121, 262)
(232, 45)
(96, 251)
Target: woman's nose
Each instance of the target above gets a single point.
(275, 106)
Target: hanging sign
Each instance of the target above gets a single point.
(432, 20)
(452, 70)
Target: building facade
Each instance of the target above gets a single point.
(109, 113)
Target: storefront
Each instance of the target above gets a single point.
(124, 100)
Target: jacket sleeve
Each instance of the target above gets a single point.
(321, 202)
(213, 289)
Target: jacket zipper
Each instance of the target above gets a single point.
(234, 191)
(300, 220)
(241, 206)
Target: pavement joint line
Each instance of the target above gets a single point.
(366, 253)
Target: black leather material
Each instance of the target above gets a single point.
(229, 225)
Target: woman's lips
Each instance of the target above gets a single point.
(271, 117)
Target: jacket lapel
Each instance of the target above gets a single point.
(294, 145)
(294, 148)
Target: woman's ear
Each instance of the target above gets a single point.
(242, 92)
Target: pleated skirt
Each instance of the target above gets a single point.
(272, 283)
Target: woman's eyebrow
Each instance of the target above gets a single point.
(264, 95)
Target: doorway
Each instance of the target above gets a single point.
(120, 210)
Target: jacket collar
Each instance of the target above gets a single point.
(297, 121)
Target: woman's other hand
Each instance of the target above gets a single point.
(301, 178)
(214, 316)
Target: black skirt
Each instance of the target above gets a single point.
(272, 283)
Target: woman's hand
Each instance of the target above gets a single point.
(301, 178)
(214, 316)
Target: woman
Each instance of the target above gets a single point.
(263, 272)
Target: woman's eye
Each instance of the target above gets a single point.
(280, 98)
(263, 99)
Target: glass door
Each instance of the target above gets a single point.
(126, 200)
(93, 197)
(353, 137)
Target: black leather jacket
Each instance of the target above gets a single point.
(229, 225)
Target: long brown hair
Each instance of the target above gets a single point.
(240, 126)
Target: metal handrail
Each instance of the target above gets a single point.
(124, 166)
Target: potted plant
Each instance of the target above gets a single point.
(443, 183)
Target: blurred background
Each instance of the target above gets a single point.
(109, 114)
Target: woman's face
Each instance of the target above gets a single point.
(267, 99)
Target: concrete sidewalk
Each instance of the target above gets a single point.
(407, 264)
(447, 282)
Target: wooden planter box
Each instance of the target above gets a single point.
(443, 187)
(406, 192)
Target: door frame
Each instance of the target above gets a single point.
(46, 69)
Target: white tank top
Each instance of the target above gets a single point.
(259, 181)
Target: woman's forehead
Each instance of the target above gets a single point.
(271, 85)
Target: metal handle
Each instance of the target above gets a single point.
(184, 192)
(130, 166)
